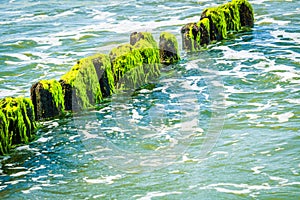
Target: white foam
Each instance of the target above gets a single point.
(284, 117)
(73, 137)
(291, 184)
(50, 41)
(43, 139)
(270, 20)
(66, 13)
(36, 179)
(243, 191)
(279, 179)
(20, 56)
(103, 180)
(237, 188)
(230, 54)
(22, 173)
(252, 116)
(293, 101)
(101, 15)
(293, 36)
(15, 182)
(39, 168)
(87, 135)
(150, 195)
(257, 169)
(136, 115)
(31, 189)
(2, 187)
(98, 196)
(56, 175)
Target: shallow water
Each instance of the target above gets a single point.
(222, 124)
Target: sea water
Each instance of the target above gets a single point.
(221, 124)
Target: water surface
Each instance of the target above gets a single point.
(221, 124)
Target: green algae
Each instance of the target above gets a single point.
(149, 53)
(204, 25)
(54, 87)
(81, 86)
(216, 23)
(17, 122)
(151, 58)
(127, 63)
(104, 72)
(232, 16)
(5, 137)
(196, 35)
(246, 13)
(168, 47)
(191, 37)
(147, 36)
(218, 26)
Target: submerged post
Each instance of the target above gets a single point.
(48, 99)
(215, 24)
(17, 122)
(168, 48)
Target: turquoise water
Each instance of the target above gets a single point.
(221, 124)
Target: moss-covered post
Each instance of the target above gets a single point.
(135, 37)
(47, 98)
(168, 48)
(246, 13)
(17, 122)
(104, 72)
(232, 16)
(218, 26)
(190, 35)
(80, 86)
(148, 48)
(5, 135)
(195, 35)
(215, 24)
(127, 66)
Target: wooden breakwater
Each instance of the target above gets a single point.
(127, 66)
(91, 79)
(216, 23)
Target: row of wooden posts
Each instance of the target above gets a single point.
(127, 66)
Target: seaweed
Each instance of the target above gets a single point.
(168, 48)
(48, 100)
(80, 86)
(17, 122)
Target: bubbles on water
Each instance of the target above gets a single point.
(151, 126)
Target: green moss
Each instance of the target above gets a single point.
(193, 35)
(54, 87)
(232, 16)
(170, 37)
(83, 82)
(104, 72)
(168, 46)
(240, 2)
(196, 35)
(205, 23)
(17, 122)
(5, 137)
(246, 12)
(135, 37)
(151, 60)
(217, 23)
(125, 58)
(149, 53)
